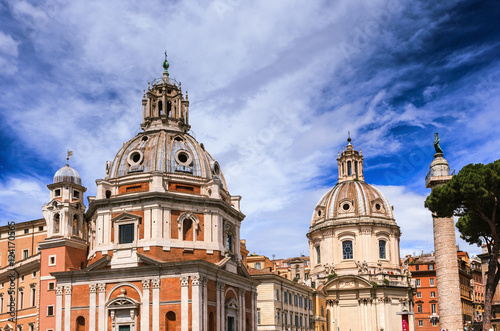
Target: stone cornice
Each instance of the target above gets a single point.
(335, 224)
(149, 197)
(60, 241)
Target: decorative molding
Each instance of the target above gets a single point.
(220, 286)
(329, 268)
(67, 289)
(59, 290)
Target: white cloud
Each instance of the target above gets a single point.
(22, 198)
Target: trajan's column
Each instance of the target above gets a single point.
(448, 282)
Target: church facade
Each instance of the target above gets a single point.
(158, 247)
(354, 251)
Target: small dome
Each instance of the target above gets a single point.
(67, 174)
(352, 199)
(164, 151)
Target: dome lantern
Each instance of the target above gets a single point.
(350, 163)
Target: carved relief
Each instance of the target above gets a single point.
(349, 283)
(93, 288)
(196, 280)
(67, 289)
(145, 284)
(102, 287)
(329, 268)
(59, 290)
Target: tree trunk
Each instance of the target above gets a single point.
(491, 283)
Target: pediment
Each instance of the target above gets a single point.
(232, 304)
(125, 216)
(122, 302)
(347, 282)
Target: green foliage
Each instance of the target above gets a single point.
(386, 281)
(471, 195)
(331, 276)
(375, 285)
(295, 279)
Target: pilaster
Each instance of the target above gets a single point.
(59, 303)
(102, 307)
(156, 303)
(92, 306)
(145, 305)
(67, 308)
(184, 303)
(196, 282)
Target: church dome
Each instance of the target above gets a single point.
(352, 199)
(67, 174)
(164, 151)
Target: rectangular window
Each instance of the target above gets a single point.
(310, 304)
(318, 255)
(52, 260)
(290, 297)
(22, 278)
(431, 266)
(296, 320)
(26, 253)
(50, 310)
(434, 322)
(21, 299)
(381, 249)
(33, 297)
(40, 228)
(285, 319)
(258, 317)
(433, 294)
(417, 267)
(26, 231)
(33, 275)
(57, 192)
(126, 233)
(51, 286)
(76, 195)
(1, 305)
(419, 294)
(417, 282)
(431, 281)
(347, 250)
(295, 300)
(433, 308)
(277, 317)
(286, 297)
(420, 323)
(419, 308)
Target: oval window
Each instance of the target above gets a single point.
(346, 206)
(135, 158)
(378, 207)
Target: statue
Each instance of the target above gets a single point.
(436, 144)
(166, 65)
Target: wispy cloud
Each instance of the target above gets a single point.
(274, 87)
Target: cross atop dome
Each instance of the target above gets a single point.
(163, 104)
(350, 163)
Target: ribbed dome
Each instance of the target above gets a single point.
(352, 199)
(67, 174)
(164, 151)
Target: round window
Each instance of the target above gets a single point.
(183, 157)
(319, 212)
(135, 158)
(145, 138)
(346, 206)
(216, 168)
(378, 206)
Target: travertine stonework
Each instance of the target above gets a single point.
(447, 278)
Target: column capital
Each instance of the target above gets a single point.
(184, 280)
(93, 288)
(67, 289)
(220, 286)
(102, 287)
(59, 290)
(196, 280)
(145, 284)
(156, 282)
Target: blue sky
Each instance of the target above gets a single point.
(274, 87)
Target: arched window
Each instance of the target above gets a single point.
(187, 230)
(160, 107)
(257, 265)
(80, 324)
(229, 242)
(169, 108)
(75, 225)
(381, 249)
(211, 322)
(57, 221)
(349, 168)
(356, 167)
(347, 250)
(318, 254)
(170, 321)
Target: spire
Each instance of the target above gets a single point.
(70, 153)
(166, 65)
(348, 137)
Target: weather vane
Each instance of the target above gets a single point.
(70, 153)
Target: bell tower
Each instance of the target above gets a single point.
(164, 106)
(350, 163)
(65, 248)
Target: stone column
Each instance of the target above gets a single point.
(102, 307)
(92, 306)
(184, 303)
(222, 303)
(254, 310)
(244, 308)
(145, 305)
(59, 303)
(217, 302)
(156, 303)
(447, 277)
(205, 304)
(67, 308)
(196, 282)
